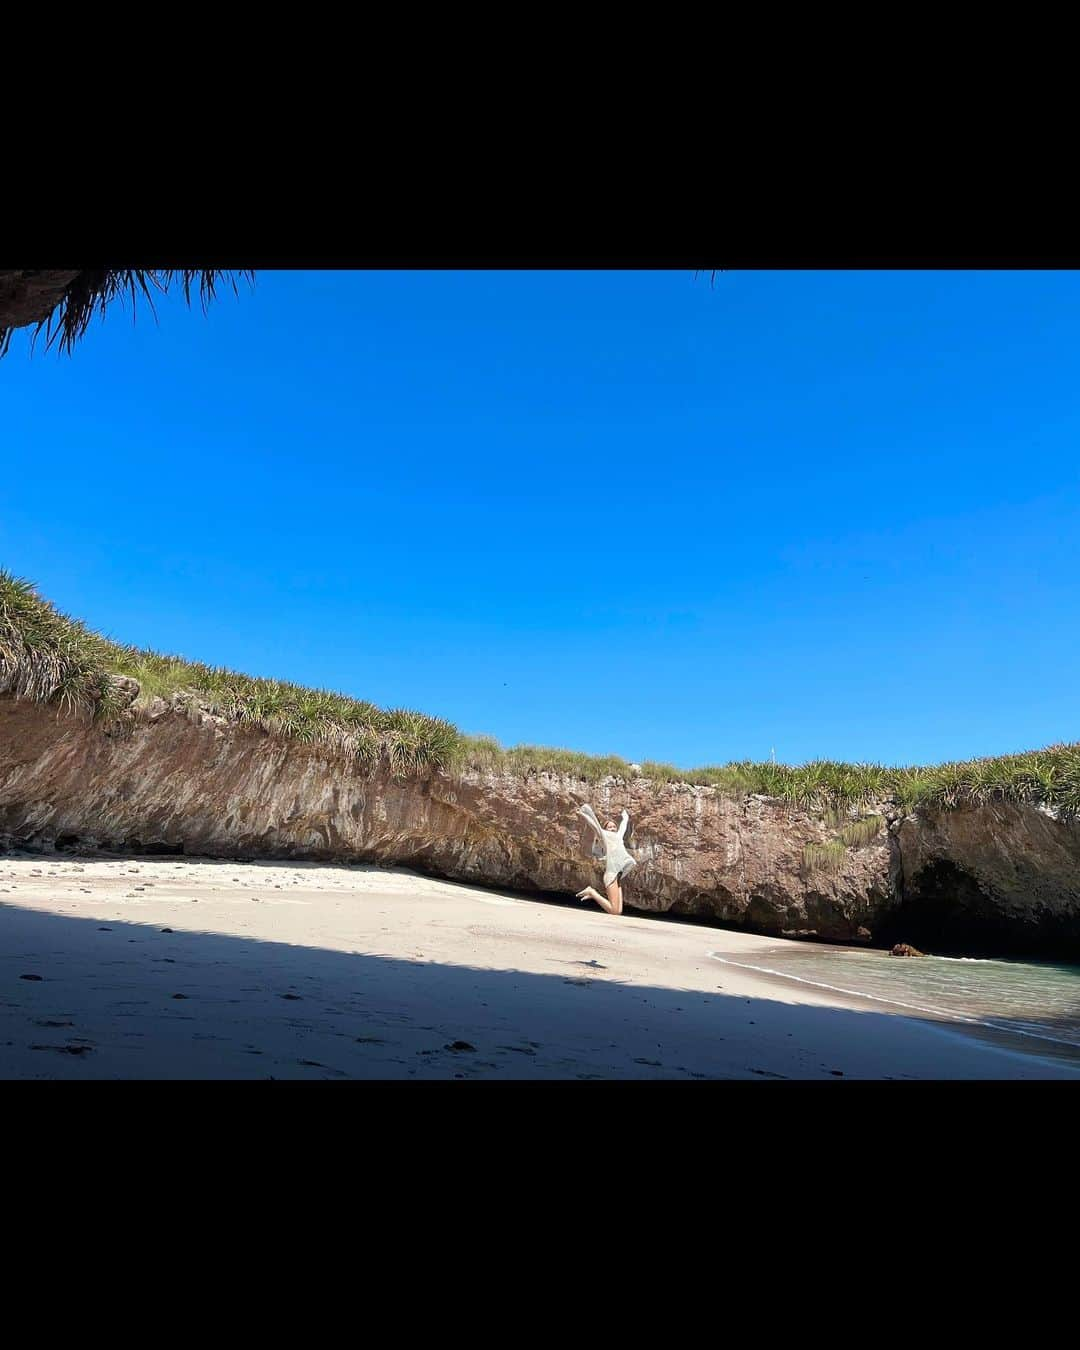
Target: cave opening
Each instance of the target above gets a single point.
(944, 911)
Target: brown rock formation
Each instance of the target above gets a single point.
(177, 778)
(192, 782)
(999, 877)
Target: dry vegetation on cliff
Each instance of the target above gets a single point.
(49, 658)
(64, 303)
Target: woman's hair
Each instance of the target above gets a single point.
(610, 825)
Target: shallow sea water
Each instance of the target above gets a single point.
(1039, 1000)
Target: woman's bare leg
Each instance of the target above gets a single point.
(612, 904)
(591, 893)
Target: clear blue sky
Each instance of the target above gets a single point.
(835, 514)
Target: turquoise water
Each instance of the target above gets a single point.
(1038, 999)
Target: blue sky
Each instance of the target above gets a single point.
(822, 513)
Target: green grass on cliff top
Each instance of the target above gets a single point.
(49, 658)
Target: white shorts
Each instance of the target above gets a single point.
(609, 877)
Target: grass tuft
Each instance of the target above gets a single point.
(828, 857)
(858, 833)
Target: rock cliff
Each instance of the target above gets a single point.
(176, 778)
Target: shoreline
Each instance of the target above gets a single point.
(1051, 1047)
(178, 967)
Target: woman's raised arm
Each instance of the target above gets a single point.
(590, 816)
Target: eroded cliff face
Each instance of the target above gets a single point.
(189, 781)
(183, 780)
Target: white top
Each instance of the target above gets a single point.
(616, 856)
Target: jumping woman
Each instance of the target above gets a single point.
(617, 862)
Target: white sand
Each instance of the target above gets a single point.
(294, 970)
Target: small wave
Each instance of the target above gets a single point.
(836, 989)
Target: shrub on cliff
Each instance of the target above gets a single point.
(50, 658)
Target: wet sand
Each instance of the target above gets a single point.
(190, 968)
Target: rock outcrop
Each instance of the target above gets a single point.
(994, 878)
(176, 778)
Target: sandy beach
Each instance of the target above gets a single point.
(192, 968)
